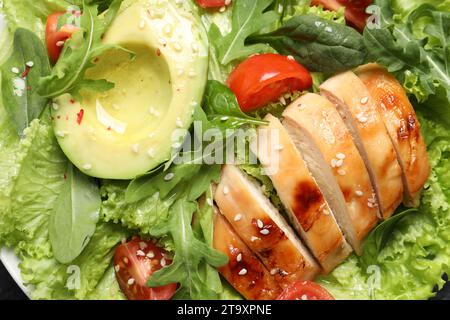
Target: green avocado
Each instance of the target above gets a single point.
(127, 131)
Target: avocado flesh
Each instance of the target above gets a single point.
(127, 131)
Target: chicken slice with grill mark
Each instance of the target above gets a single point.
(263, 228)
(359, 112)
(403, 127)
(244, 271)
(308, 210)
(332, 157)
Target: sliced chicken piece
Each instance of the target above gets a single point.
(403, 127)
(304, 201)
(244, 271)
(331, 155)
(360, 114)
(262, 228)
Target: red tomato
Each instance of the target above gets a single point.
(305, 290)
(55, 38)
(134, 262)
(355, 10)
(264, 78)
(213, 3)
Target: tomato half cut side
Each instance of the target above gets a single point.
(355, 10)
(264, 78)
(55, 38)
(213, 3)
(305, 290)
(134, 263)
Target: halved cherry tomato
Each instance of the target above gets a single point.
(355, 10)
(264, 78)
(55, 38)
(212, 3)
(134, 262)
(305, 290)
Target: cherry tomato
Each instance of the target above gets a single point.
(355, 10)
(305, 290)
(264, 78)
(55, 38)
(213, 3)
(134, 262)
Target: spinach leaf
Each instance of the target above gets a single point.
(421, 63)
(74, 216)
(222, 109)
(248, 17)
(20, 76)
(68, 75)
(190, 254)
(319, 44)
(380, 236)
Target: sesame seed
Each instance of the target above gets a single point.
(264, 232)
(163, 262)
(125, 260)
(340, 156)
(209, 202)
(342, 172)
(222, 9)
(117, 268)
(15, 70)
(142, 245)
(260, 224)
(135, 148)
(61, 134)
(60, 43)
(226, 190)
(140, 253)
(273, 271)
(370, 205)
(279, 147)
(238, 217)
(243, 272)
(169, 176)
(361, 118)
(359, 193)
(55, 106)
(131, 281)
(227, 2)
(29, 64)
(283, 101)
(339, 163)
(225, 118)
(364, 100)
(253, 239)
(328, 29)
(333, 163)
(150, 254)
(87, 166)
(291, 58)
(304, 297)
(239, 257)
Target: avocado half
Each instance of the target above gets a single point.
(129, 130)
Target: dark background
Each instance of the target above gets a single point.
(10, 291)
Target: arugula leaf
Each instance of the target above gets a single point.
(380, 236)
(68, 75)
(319, 44)
(190, 253)
(74, 216)
(19, 81)
(248, 17)
(421, 64)
(222, 109)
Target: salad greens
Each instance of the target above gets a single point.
(419, 58)
(75, 215)
(41, 194)
(20, 78)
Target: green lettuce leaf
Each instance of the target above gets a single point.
(417, 253)
(108, 288)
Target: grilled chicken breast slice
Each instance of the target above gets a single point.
(304, 201)
(403, 127)
(244, 271)
(332, 157)
(262, 228)
(360, 114)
